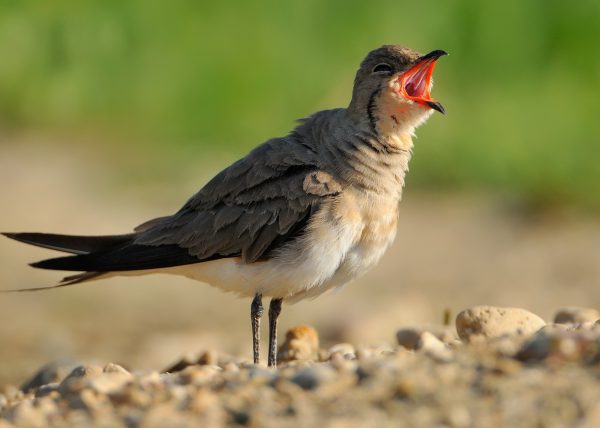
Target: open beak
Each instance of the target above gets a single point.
(415, 83)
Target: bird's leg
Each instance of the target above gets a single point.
(256, 311)
(274, 311)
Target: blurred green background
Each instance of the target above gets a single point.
(187, 81)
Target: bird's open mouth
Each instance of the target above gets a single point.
(415, 83)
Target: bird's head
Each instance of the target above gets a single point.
(392, 89)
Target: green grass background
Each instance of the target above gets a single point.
(190, 80)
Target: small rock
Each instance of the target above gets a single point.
(209, 358)
(561, 345)
(261, 375)
(51, 372)
(77, 379)
(48, 389)
(576, 315)
(115, 368)
(434, 347)
(110, 382)
(343, 349)
(363, 353)
(313, 376)
(301, 343)
(185, 361)
(337, 359)
(199, 375)
(231, 367)
(408, 337)
(414, 339)
(490, 322)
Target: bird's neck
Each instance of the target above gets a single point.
(380, 163)
(375, 162)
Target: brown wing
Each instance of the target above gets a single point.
(251, 208)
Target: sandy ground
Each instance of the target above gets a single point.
(452, 251)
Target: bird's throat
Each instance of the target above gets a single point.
(396, 121)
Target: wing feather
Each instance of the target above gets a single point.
(251, 208)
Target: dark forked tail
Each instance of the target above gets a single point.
(95, 256)
(73, 244)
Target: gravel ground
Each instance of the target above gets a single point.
(509, 368)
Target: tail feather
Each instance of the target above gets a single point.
(66, 281)
(127, 257)
(71, 243)
(97, 256)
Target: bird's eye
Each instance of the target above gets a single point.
(383, 68)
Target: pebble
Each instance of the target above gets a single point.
(434, 347)
(261, 375)
(109, 382)
(409, 337)
(54, 371)
(415, 339)
(199, 375)
(77, 379)
(231, 367)
(301, 343)
(561, 345)
(492, 322)
(209, 358)
(49, 389)
(115, 368)
(576, 315)
(312, 377)
(344, 349)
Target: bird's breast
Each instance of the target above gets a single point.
(378, 220)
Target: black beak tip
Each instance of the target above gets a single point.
(437, 106)
(434, 54)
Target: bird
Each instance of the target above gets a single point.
(297, 216)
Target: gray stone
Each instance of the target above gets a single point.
(561, 345)
(313, 376)
(54, 371)
(576, 315)
(77, 379)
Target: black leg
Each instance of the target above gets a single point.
(256, 311)
(274, 311)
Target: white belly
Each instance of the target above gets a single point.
(341, 243)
